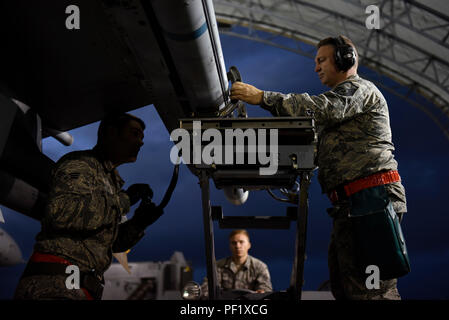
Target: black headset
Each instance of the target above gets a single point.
(344, 54)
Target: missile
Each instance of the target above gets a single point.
(10, 253)
(191, 33)
(20, 196)
(64, 137)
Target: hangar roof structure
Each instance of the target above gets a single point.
(411, 45)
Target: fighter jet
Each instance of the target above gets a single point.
(66, 66)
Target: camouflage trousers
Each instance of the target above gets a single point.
(346, 281)
(46, 287)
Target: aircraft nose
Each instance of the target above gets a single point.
(10, 253)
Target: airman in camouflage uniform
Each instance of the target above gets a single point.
(82, 223)
(241, 271)
(354, 142)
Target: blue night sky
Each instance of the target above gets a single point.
(422, 152)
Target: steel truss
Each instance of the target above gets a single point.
(411, 47)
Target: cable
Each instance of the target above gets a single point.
(171, 186)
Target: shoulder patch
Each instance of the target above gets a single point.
(346, 89)
(74, 175)
(65, 177)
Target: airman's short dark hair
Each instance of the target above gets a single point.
(332, 41)
(117, 121)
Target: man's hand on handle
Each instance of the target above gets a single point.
(247, 93)
(147, 213)
(139, 191)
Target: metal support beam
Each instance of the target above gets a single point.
(297, 278)
(411, 36)
(208, 236)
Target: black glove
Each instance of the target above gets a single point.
(139, 191)
(147, 213)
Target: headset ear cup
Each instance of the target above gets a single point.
(339, 44)
(344, 54)
(348, 57)
(344, 57)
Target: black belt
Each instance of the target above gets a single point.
(88, 280)
(338, 194)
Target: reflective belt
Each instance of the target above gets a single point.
(43, 257)
(373, 180)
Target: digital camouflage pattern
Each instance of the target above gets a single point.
(252, 275)
(46, 287)
(354, 141)
(346, 281)
(354, 132)
(82, 217)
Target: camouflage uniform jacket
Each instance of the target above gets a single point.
(353, 129)
(82, 217)
(252, 275)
